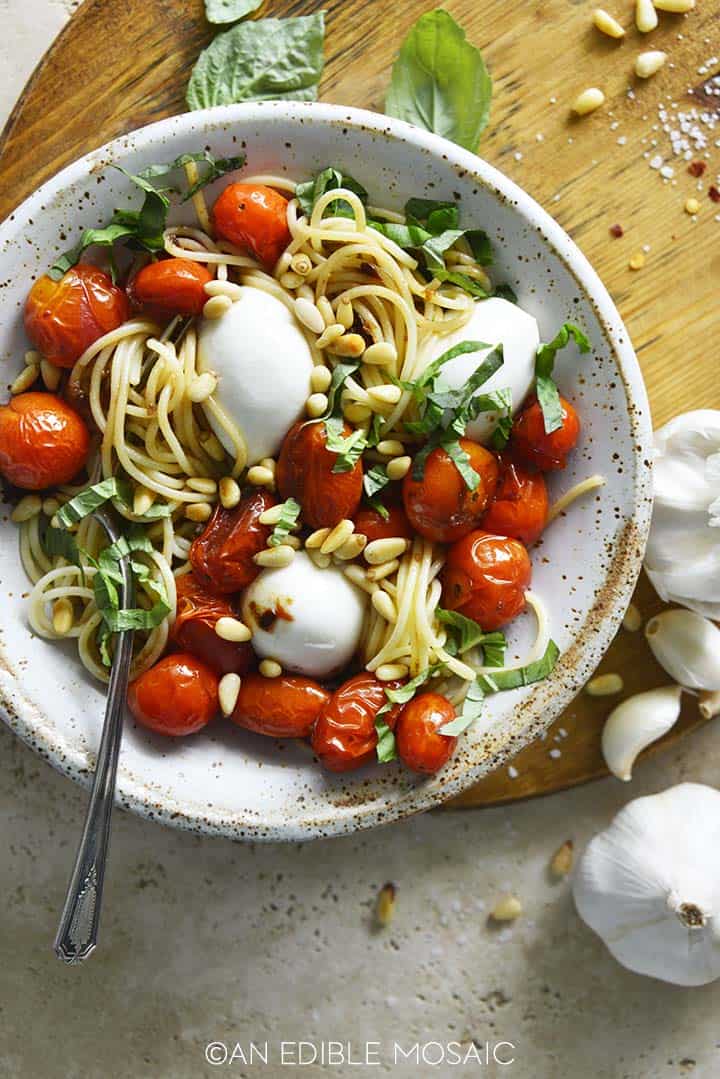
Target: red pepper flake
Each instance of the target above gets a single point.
(616, 231)
(697, 168)
(714, 194)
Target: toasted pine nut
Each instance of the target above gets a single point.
(337, 536)
(647, 63)
(230, 493)
(384, 606)
(316, 404)
(384, 550)
(386, 394)
(588, 101)
(260, 476)
(709, 703)
(320, 378)
(62, 616)
(381, 353)
(271, 516)
(202, 387)
(385, 569)
(692, 206)
(636, 261)
(322, 561)
(291, 280)
(385, 906)
(27, 507)
(309, 315)
(605, 685)
(269, 463)
(562, 860)
(350, 344)
(232, 629)
(325, 308)
(398, 468)
(356, 574)
(294, 542)
(228, 690)
(356, 413)
(317, 538)
(390, 447)
(270, 668)
(25, 379)
(677, 7)
(632, 621)
(216, 307)
(607, 24)
(345, 314)
(352, 547)
(50, 507)
(213, 447)
(50, 374)
(301, 264)
(203, 484)
(389, 672)
(645, 16)
(507, 909)
(330, 335)
(224, 288)
(142, 501)
(275, 557)
(32, 357)
(198, 511)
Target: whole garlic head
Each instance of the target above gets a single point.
(683, 553)
(649, 885)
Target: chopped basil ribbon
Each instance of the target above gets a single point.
(375, 479)
(87, 501)
(505, 292)
(522, 676)
(289, 515)
(547, 391)
(469, 284)
(386, 748)
(470, 712)
(349, 449)
(109, 576)
(310, 191)
(466, 634)
(56, 542)
(405, 693)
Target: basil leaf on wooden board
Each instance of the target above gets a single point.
(469, 713)
(440, 81)
(386, 748)
(547, 392)
(225, 11)
(265, 60)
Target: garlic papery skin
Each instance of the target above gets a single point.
(683, 553)
(687, 646)
(649, 885)
(635, 724)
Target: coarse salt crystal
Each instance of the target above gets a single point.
(555, 753)
(622, 140)
(513, 772)
(656, 162)
(667, 171)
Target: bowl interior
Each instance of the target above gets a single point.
(242, 785)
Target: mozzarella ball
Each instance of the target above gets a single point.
(308, 619)
(495, 321)
(263, 365)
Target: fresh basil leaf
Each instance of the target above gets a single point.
(434, 249)
(432, 369)
(375, 433)
(440, 82)
(349, 449)
(376, 504)
(480, 246)
(374, 480)
(420, 210)
(103, 637)
(102, 237)
(548, 397)
(461, 460)
(468, 633)
(405, 236)
(124, 618)
(493, 646)
(289, 515)
(340, 372)
(522, 676)
(405, 693)
(471, 711)
(58, 543)
(265, 60)
(386, 748)
(469, 284)
(460, 402)
(225, 11)
(310, 191)
(216, 167)
(547, 391)
(505, 292)
(87, 501)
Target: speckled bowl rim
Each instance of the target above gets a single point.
(601, 623)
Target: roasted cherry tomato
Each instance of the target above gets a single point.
(344, 736)
(43, 442)
(372, 524)
(198, 610)
(520, 506)
(179, 695)
(254, 216)
(222, 556)
(419, 743)
(305, 472)
(63, 318)
(171, 287)
(485, 578)
(546, 452)
(440, 506)
(284, 707)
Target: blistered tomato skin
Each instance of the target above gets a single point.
(546, 452)
(419, 744)
(372, 524)
(198, 610)
(253, 216)
(344, 737)
(284, 707)
(222, 555)
(63, 318)
(485, 578)
(178, 696)
(440, 506)
(43, 442)
(520, 506)
(305, 472)
(173, 286)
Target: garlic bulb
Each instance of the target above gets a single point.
(649, 885)
(687, 646)
(635, 724)
(683, 553)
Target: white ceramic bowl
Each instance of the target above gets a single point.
(234, 783)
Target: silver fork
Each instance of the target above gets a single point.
(77, 932)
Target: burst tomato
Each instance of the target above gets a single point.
(305, 472)
(419, 743)
(222, 555)
(63, 318)
(546, 452)
(171, 286)
(43, 442)
(485, 578)
(255, 217)
(344, 736)
(440, 506)
(198, 610)
(179, 695)
(372, 524)
(284, 707)
(520, 506)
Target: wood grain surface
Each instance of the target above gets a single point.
(122, 63)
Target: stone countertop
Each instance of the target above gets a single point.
(208, 941)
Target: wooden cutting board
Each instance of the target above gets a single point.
(122, 63)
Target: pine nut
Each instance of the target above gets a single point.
(605, 685)
(562, 860)
(588, 101)
(390, 447)
(216, 307)
(677, 7)
(283, 264)
(607, 24)
(316, 539)
(32, 357)
(350, 344)
(345, 314)
(632, 621)
(330, 335)
(384, 395)
(384, 606)
(198, 511)
(269, 463)
(645, 16)
(62, 616)
(291, 280)
(384, 550)
(325, 308)
(322, 561)
(27, 507)
(213, 447)
(224, 288)
(507, 909)
(270, 668)
(320, 378)
(232, 629)
(25, 379)
(301, 264)
(203, 484)
(352, 547)
(648, 63)
(390, 672)
(356, 574)
(316, 404)
(337, 536)
(309, 315)
(50, 374)
(229, 492)
(260, 476)
(271, 516)
(228, 690)
(381, 353)
(275, 557)
(385, 569)
(294, 542)
(385, 906)
(692, 206)
(709, 703)
(202, 387)
(50, 507)
(356, 413)
(398, 468)
(142, 501)
(636, 261)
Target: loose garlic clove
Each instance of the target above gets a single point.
(687, 646)
(637, 723)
